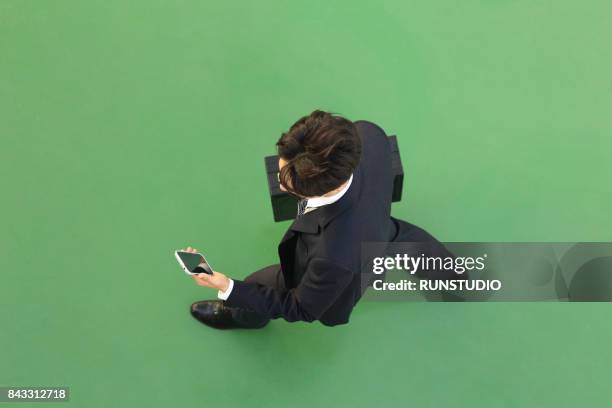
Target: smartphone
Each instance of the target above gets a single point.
(193, 263)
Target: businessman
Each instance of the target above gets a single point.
(341, 173)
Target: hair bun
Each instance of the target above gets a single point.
(306, 167)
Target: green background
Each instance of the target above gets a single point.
(130, 129)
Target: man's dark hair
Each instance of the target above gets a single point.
(321, 150)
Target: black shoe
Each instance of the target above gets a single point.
(215, 314)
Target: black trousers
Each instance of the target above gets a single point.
(269, 276)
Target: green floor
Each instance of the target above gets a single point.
(130, 129)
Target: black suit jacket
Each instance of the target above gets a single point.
(320, 254)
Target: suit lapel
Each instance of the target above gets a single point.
(313, 221)
(308, 223)
(351, 197)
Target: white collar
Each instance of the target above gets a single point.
(316, 202)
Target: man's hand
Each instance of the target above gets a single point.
(215, 281)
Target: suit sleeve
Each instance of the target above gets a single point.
(321, 285)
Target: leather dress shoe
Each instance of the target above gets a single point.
(215, 314)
